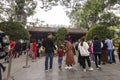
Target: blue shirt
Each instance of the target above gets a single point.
(109, 43)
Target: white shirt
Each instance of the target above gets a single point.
(83, 49)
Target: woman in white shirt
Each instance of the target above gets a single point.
(83, 48)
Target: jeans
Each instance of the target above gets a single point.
(48, 55)
(60, 61)
(110, 55)
(92, 58)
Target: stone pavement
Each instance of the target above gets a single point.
(36, 71)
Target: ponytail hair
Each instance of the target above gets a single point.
(82, 40)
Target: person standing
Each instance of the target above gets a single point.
(17, 49)
(83, 48)
(91, 51)
(104, 56)
(79, 55)
(61, 53)
(39, 44)
(24, 47)
(113, 55)
(49, 50)
(34, 50)
(97, 50)
(109, 43)
(12, 51)
(69, 54)
(4, 49)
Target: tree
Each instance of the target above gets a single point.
(60, 36)
(109, 19)
(83, 11)
(15, 30)
(18, 10)
(89, 13)
(99, 30)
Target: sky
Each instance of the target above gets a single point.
(55, 16)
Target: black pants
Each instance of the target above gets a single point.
(84, 58)
(113, 57)
(80, 59)
(97, 59)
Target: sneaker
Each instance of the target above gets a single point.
(99, 66)
(66, 67)
(84, 70)
(90, 68)
(70, 67)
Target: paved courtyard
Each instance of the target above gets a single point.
(36, 71)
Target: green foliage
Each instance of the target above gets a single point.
(113, 2)
(15, 30)
(18, 10)
(99, 30)
(109, 19)
(92, 12)
(60, 36)
(116, 42)
(89, 13)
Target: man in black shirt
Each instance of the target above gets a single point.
(97, 49)
(49, 51)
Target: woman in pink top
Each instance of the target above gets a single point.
(91, 51)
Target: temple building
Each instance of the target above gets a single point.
(38, 33)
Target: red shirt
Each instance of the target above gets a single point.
(12, 44)
(34, 46)
(60, 53)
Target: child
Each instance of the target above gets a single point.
(60, 55)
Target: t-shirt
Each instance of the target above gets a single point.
(60, 53)
(109, 44)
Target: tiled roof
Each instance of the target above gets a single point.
(51, 29)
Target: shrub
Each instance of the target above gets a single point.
(60, 36)
(15, 30)
(99, 30)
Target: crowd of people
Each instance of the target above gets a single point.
(94, 51)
